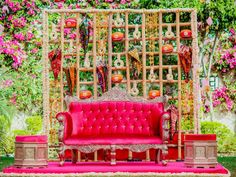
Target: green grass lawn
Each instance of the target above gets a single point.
(228, 162)
(5, 161)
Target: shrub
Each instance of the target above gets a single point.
(34, 124)
(7, 137)
(226, 140)
(4, 129)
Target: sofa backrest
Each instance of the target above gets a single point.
(112, 118)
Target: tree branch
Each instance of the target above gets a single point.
(212, 53)
(201, 53)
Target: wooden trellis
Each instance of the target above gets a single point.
(148, 32)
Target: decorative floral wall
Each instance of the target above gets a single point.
(21, 41)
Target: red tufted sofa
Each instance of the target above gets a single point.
(112, 124)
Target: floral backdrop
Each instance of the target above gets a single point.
(21, 48)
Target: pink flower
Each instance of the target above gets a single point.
(19, 22)
(13, 99)
(31, 12)
(229, 104)
(19, 36)
(67, 31)
(232, 31)
(7, 83)
(216, 103)
(220, 96)
(33, 76)
(123, 2)
(209, 21)
(73, 36)
(5, 9)
(10, 17)
(13, 6)
(34, 50)
(109, 1)
(29, 35)
(60, 5)
(14, 50)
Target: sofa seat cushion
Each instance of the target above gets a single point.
(113, 140)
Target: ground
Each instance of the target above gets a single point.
(228, 162)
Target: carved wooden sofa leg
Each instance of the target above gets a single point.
(105, 155)
(62, 155)
(74, 156)
(164, 153)
(113, 155)
(158, 153)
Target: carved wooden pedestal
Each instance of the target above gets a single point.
(31, 151)
(200, 151)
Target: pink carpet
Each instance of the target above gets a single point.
(104, 167)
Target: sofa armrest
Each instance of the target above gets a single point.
(165, 118)
(65, 125)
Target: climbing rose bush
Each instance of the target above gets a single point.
(13, 49)
(227, 61)
(221, 97)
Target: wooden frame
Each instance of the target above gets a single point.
(50, 86)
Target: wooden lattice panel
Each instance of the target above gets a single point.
(146, 31)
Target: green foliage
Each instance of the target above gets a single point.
(187, 124)
(222, 12)
(34, 124)
(6, 109)
(4, 132)
(226, 140)
(7, 137)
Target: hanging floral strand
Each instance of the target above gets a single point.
(55, 58)
(185, 55)
(85, 29)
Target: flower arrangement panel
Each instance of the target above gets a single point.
(91, 51)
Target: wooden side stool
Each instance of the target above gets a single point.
(200, 151)
(31, 151)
